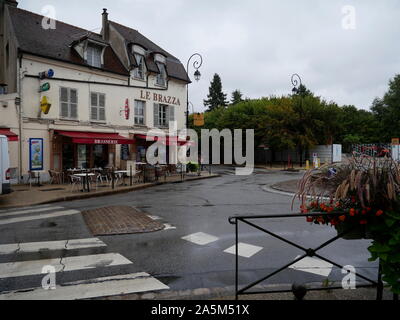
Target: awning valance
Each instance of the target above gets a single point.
(11, 136)
(95, 137)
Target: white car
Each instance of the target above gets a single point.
(4, 166)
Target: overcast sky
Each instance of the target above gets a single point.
(256, 45)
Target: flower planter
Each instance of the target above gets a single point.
(354, 233)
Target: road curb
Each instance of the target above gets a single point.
(107, 193)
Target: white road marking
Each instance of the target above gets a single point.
(313, 265)
(25, 208)
(50, 245)
(100, 287)
(40, 216)
(26, 211)
(168, 226)
(154, 217)
(25, 268)
(244, 250)
(200, 238)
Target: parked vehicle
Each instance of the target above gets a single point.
(5, 186)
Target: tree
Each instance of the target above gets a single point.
(215, 98)
(302, 91)
(387, 111)
(237, 97)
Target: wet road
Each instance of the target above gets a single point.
(202, 206)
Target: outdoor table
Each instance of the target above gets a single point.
(85, 180)
(37, 176)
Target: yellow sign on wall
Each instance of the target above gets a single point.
(45, 105)
(198, 119)
(395, 141)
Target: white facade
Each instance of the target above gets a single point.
(116, 88)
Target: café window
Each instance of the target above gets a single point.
(93, 53)
(139, 71)
(140, 107)
(163, 114)
(68, 103)
(162, 76)
(97, 106)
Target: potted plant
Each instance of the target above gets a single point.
(366, 191)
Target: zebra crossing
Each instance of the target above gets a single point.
(245, 250)
(34, 213)
(70, 255)
(81, 289)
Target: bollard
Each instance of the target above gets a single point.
(87, 181)
(112, 178)
(130, 175)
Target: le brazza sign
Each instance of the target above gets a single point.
(157, 97)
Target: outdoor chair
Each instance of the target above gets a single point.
(75, 181)
(32, 176)
(56, 177)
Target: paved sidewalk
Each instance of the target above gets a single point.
(24, 196)
(227, 293)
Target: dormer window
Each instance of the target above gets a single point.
(94, 55)
(162, 76)
(139, 71)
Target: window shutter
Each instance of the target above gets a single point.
(74, 110)
(73, 96)
(93, 113)
(64, 110)
(64, 95)
(93, 99)
(171, 110)
(102, 114)
(156, 116)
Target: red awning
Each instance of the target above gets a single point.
(11, 136)
(169, 140)
(95, 137)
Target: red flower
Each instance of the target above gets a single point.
(342, 218)
(364, 211)
(363, 221)
(352, 212)
(353, 199)
(310, 219)
(379, 213)
(321, 220)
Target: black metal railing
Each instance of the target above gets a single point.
(308, 252)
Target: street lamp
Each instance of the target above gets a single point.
(296, 82)
(196, 65)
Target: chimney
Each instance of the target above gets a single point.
(12, 3)
(105, 27)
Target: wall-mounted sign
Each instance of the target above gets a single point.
(395, 141)
(45, 105)
(198, 119)
(127, 109)
(44, 87)
(36, 154)
(336, 153)
(46, 74)
(157, 97)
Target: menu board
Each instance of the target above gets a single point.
(36, 154)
